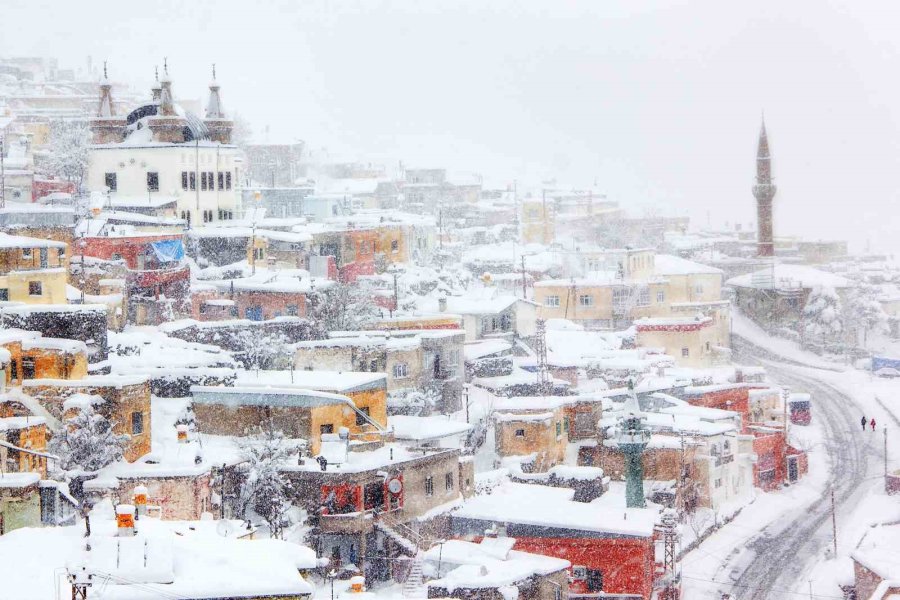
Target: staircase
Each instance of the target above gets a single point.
(414, 586)
(392, 530)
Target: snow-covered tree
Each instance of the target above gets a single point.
(87, 442)
(261, 349)
(265, 491)
(822, 315)
(67, 156)
(867, 314)
(344, 307)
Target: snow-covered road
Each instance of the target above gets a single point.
(784, 552)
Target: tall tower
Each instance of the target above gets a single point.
(764, 191)
(632, 439)
(106, 126)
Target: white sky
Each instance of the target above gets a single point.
(661, 104)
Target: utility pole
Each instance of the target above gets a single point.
(466, 393)
(833, 521)
(541, 351)
(2, 175)
(885, 454)
(544, 209)
(524, 292)
(396, 296)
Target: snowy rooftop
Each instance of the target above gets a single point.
(551, 507)
(421, 429)
(789, 276)
(325, 381)
(156, 563)
(265, 395)
(668, 264)
(492, 563)
(8, 241)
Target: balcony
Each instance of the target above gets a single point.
(355, 522)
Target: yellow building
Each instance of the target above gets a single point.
(538, 431)
(537, 221)
(691, 341)
(35, 357)
(391, 243)
(32, 270)
(623, 285)
(299, 413)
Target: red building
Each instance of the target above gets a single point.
(611, 549)
(777, 462)
(43, 187)
(133, 249)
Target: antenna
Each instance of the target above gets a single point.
(214, 71)
(104, 69)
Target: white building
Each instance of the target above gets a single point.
(161, 157)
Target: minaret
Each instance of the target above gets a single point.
(632, 438)
(764, 191)
(156, 90)
(218, 125)
(167, 125)
(166, 101)
(106, 127)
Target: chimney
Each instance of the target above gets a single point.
(125, 520)
(140, 500)
(442, 304)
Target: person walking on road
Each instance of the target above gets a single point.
(872, 423)
(863, 421)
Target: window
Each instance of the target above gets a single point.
(203, 181)
(698, 288)
(395, 246)
(644, 297)
(28, 371)
(566, 424)
(685, 352)
(429, 486)
(228, 180)
(360, 419)
(594, 580)
(621, 297)
(520, 433)
(4, 294)
(551, 301)
(326, 428)
(45, 257)
(193, 180)
(137, 423)
(448, 481)
(184, 180)
(110, 180)
(152, 181)
(292, 310)
(26, 253)
(719, 482)
(35, 288)
(586, 300)
(221, 181)
(401, 370)
(660, 297)
(558, 428)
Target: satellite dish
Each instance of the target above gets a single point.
(395, 486)
(225, 528)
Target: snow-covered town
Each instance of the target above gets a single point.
(236, 364)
